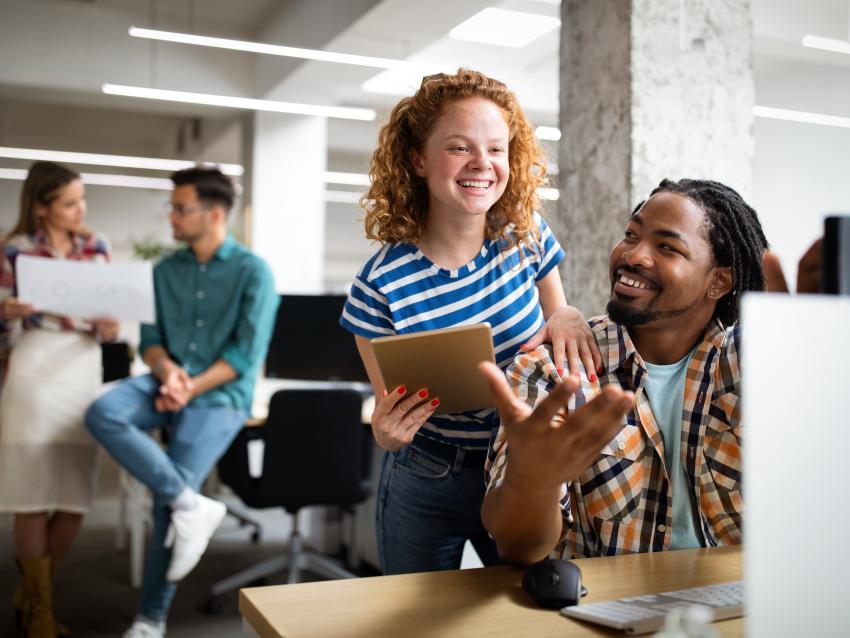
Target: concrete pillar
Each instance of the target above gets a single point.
(649, 89)
(285, 158)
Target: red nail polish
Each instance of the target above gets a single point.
(423, 393)
(560, 372)
(592, 378)
(402, 389)
(435, 402)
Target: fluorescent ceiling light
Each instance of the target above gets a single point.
(102, 179)
(13, 173)
(394, 82)
(551, 194)
(504, 28)
(128, 181)
(124, 161)
(227, 101)
(805, 117)
(343, 197)
(268, 49)
(548, 133)
(826, 44)
(350, 179)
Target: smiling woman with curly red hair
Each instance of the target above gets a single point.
(453, 202)
(397, 203)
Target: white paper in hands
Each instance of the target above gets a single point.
(86, 289)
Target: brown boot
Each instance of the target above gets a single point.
(21, 605)
(38, 591)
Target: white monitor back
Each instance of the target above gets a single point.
(796, 411)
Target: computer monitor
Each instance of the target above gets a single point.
(309, 344)
(836, 255)
(795, 466)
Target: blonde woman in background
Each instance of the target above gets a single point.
(51, 372)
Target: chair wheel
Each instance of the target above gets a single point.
(255, 536)
(214, 605)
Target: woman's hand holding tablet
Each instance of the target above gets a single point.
(399, 415)
(444, 362)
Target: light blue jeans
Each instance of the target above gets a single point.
(429, 503)
(198, 437)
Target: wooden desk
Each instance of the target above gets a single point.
(481, 603)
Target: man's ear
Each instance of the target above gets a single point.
(721, 282)
(417, 162)
(219, 212)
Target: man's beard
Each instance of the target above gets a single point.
(627, 315)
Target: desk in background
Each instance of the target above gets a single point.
(484, 603)
(266, 387)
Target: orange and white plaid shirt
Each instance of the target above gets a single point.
(623, 502)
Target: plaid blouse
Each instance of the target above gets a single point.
(623, 502)
(86, 248)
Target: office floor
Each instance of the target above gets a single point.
(93, 595)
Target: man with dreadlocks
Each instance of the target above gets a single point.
(671, 477)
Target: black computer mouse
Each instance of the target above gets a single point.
(553, 583)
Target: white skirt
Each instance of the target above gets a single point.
(48, 460)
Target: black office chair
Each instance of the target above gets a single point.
(317, 452)
(116, 357)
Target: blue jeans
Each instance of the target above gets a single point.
(429, 503)
(118, 420)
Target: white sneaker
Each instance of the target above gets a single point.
(142, 629)
(190, 532)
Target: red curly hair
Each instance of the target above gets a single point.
(397, 202)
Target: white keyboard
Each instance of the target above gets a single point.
(643, 614)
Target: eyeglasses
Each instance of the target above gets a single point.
(180, 210)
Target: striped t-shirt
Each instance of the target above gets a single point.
(399, 290)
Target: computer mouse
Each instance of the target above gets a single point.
(553, 583)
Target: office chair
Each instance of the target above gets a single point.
(317, 452)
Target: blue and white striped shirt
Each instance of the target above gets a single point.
(399, 290)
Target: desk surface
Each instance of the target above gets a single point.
(481, 603)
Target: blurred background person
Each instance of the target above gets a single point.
(51, 372)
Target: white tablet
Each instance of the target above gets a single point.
(445, 361)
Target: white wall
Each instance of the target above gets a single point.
(800, 171)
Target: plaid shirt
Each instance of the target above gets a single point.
(89, 247)
(623, 502)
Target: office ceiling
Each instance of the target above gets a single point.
(406, 29)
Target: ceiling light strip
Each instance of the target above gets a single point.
(13, 173)
(268, 49)
(826, 44)
(343, 197)
(552, 133)
(102, 179)
(251, 104)
(805, 117)
(349, 179)
(124, 161)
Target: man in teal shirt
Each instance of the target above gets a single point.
(215, 308)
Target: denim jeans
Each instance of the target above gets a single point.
(118, 420)
(429, 503)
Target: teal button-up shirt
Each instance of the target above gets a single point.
(222, 309)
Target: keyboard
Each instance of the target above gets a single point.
(644, 614)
